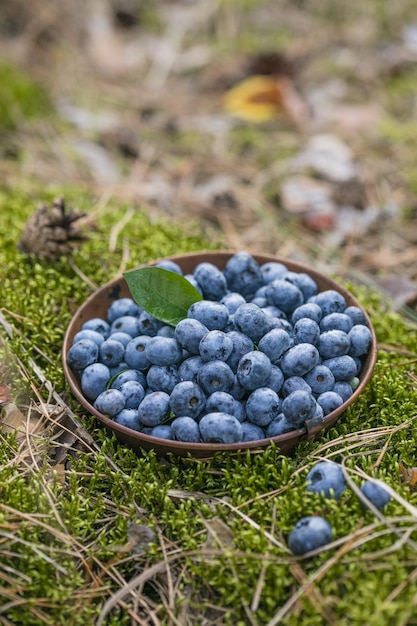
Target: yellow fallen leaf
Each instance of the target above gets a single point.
(256, 99)
(261, 98)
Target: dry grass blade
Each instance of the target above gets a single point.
(160, 567)
(309, 583)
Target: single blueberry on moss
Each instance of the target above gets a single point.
(309, 533)
(326, 478)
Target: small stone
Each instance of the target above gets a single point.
(329, 157)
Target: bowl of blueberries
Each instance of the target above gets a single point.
(218, 351)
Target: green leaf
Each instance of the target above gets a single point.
(164, 294)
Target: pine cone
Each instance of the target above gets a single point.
(51, 232)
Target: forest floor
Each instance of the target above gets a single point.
(140, 111)
(281, 127)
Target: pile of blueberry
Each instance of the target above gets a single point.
(328, 479)
(260, 354)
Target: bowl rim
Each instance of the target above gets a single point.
(286, 441)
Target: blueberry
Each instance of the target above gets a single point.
(189, 368)
(166, 331)
(276, 379)
(252, 432)
(211, 280)
(122, 307)
(284, 295)
(94, 380)
(162, 377)
(254, 370)
(309, 533)
(171, 266)
(327, 478)
(242, 344)
(117, 369)
(375, 493)
(319, 413)
(305, 283)
(92, 335)
(274, 343)
(336, 321)
(330, 301)
(329, 401)
(354, 383)
(133, 393)
(343, 389)
(333, 343)
(135, 353)
(127, 324)
(274, 311)
(220, 428)
(97, 324)
(189, 332)
(360, 340)
(273, 270)
(260, 293)
(215, 376)
(306, 331)
(154, 408)
(215, 346)
(187, 398)
(343, 367)
(233, 301)
(298, 407)
(223, 402)
(262, 406)
(185, 429)
(299, 359)
(128, 418)
(237, 391)
(310, 310)
(163, 351)
(110, 402)
(128, 374)
(279, 426)
(214, 315)
(260, 301)
(243, 274)
(194, 283)
(320, 379)
(356, 315)
(250, 320)
(295, 383)
(284, 324)
(82, 353)
(148, 325)
(162, 431)
(123, 338)
(111, 352)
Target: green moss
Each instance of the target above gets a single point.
(21, 98)
(65, 539)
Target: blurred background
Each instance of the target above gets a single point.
(277, 126)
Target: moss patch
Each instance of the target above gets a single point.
(21, 98)
(220, 526)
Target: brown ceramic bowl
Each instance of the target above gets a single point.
(96, 306)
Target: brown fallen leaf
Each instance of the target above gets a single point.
(408, 475)
(219, 534)
(139, 537)
(13, 420)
